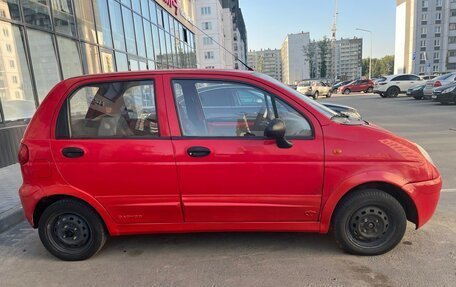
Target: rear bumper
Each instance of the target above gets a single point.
(444, 98)
(30, 196)
(425, 195)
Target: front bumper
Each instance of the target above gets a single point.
(425, 195)
(444, 98)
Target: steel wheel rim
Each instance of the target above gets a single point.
(370, 227)
(69, 233)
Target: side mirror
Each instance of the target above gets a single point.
(276, 130)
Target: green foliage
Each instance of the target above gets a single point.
(380, 67)
(310, 54)
(324, 48)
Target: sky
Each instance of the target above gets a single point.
(269, 21)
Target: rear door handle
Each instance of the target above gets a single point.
(198, 151)
(72, 152)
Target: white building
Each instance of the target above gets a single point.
(211, 40)
(425, 36)
(267, 61)
(295, 68)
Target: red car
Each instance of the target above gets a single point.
(357, 86)
(206, 151)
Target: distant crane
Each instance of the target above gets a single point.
(336, 13)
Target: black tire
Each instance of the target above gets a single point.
(418, 97)
(347, 91)
(393, 92)
(369, 222)
(316, 95)
(329, 95)
(74, 219)
(369, 90)
(382, 95)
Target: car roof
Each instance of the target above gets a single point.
(162, 72)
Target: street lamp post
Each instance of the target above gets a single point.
(370, 59)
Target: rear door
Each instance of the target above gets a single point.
(228, 171)
(112, 142)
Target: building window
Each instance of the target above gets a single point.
(8, 48)
(209, 55)
(5, 32)
(129, 30)
(437, 42)
(452, 26)
(437, 29)
(422, 70)
(36, 13)
(14, 79)
(435, 68)
(207, 25)
(205, 10)
(438, 16)
(69, 57)
(11, 64)
(438, 3)
(103, 23)
(453, 13)
(423, 30)
(117, 27)
(452, 53)
(85, 21)
(452, 40)
(207, 41)
(64, 21)
(423, 16)
(436, 55)
(423, 43)
(425, 3)
(423, 56)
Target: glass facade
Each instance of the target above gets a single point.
(45, 41)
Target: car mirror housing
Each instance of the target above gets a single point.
(276, 130)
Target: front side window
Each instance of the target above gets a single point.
(226, 109)
(112, 110)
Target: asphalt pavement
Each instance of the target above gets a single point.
(426, 257)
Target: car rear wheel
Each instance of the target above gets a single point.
(316, 95)
(369, 222)
(393, 92)
(71, 230)
(418, 97)
(382, 95)
(347, 91)
(370, 90)
(329, 95)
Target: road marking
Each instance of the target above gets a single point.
(449, 190)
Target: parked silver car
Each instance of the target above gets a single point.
(440, 81)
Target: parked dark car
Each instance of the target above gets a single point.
(416, 92)
(445, 94)
(337, 85)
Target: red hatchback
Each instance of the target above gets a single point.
(204, 151)
(366, 86)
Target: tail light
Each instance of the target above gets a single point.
(23, 155)
(437, 84)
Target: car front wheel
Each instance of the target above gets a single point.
(393, 92)
(347, 91)
(71, 230)
(369, 222)
(370, 90)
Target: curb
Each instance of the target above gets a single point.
(11, 217)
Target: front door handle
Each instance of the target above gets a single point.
(72, 152)
(198, 151)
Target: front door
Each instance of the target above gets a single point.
(228, 171)
(112, 142)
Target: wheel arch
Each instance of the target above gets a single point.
(51, 197)
(392, 188)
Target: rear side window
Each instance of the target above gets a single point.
(110, 110)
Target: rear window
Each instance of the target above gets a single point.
(110, 110)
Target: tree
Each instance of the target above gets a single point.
(324, 49)
(380, 67)
(310, 53)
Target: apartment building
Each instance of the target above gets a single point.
(348, 59)
(268, 62)
(295, 67)
(425, 36)
(221, 37)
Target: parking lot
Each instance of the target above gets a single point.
(426, 257)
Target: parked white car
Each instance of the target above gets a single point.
(394, 85)
(440, 81)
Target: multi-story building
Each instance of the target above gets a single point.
(43, 42)
(268, 62)
(348, 59)
(219, 38)
(425, 36)
(210, 37)
(295, 67)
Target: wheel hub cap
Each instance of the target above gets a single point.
(71, 230)
(369, 224)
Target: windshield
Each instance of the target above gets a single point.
(442, 78)
(322, 109)
(304, 84)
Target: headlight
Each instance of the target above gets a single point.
(425, 153)
(449, 90)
